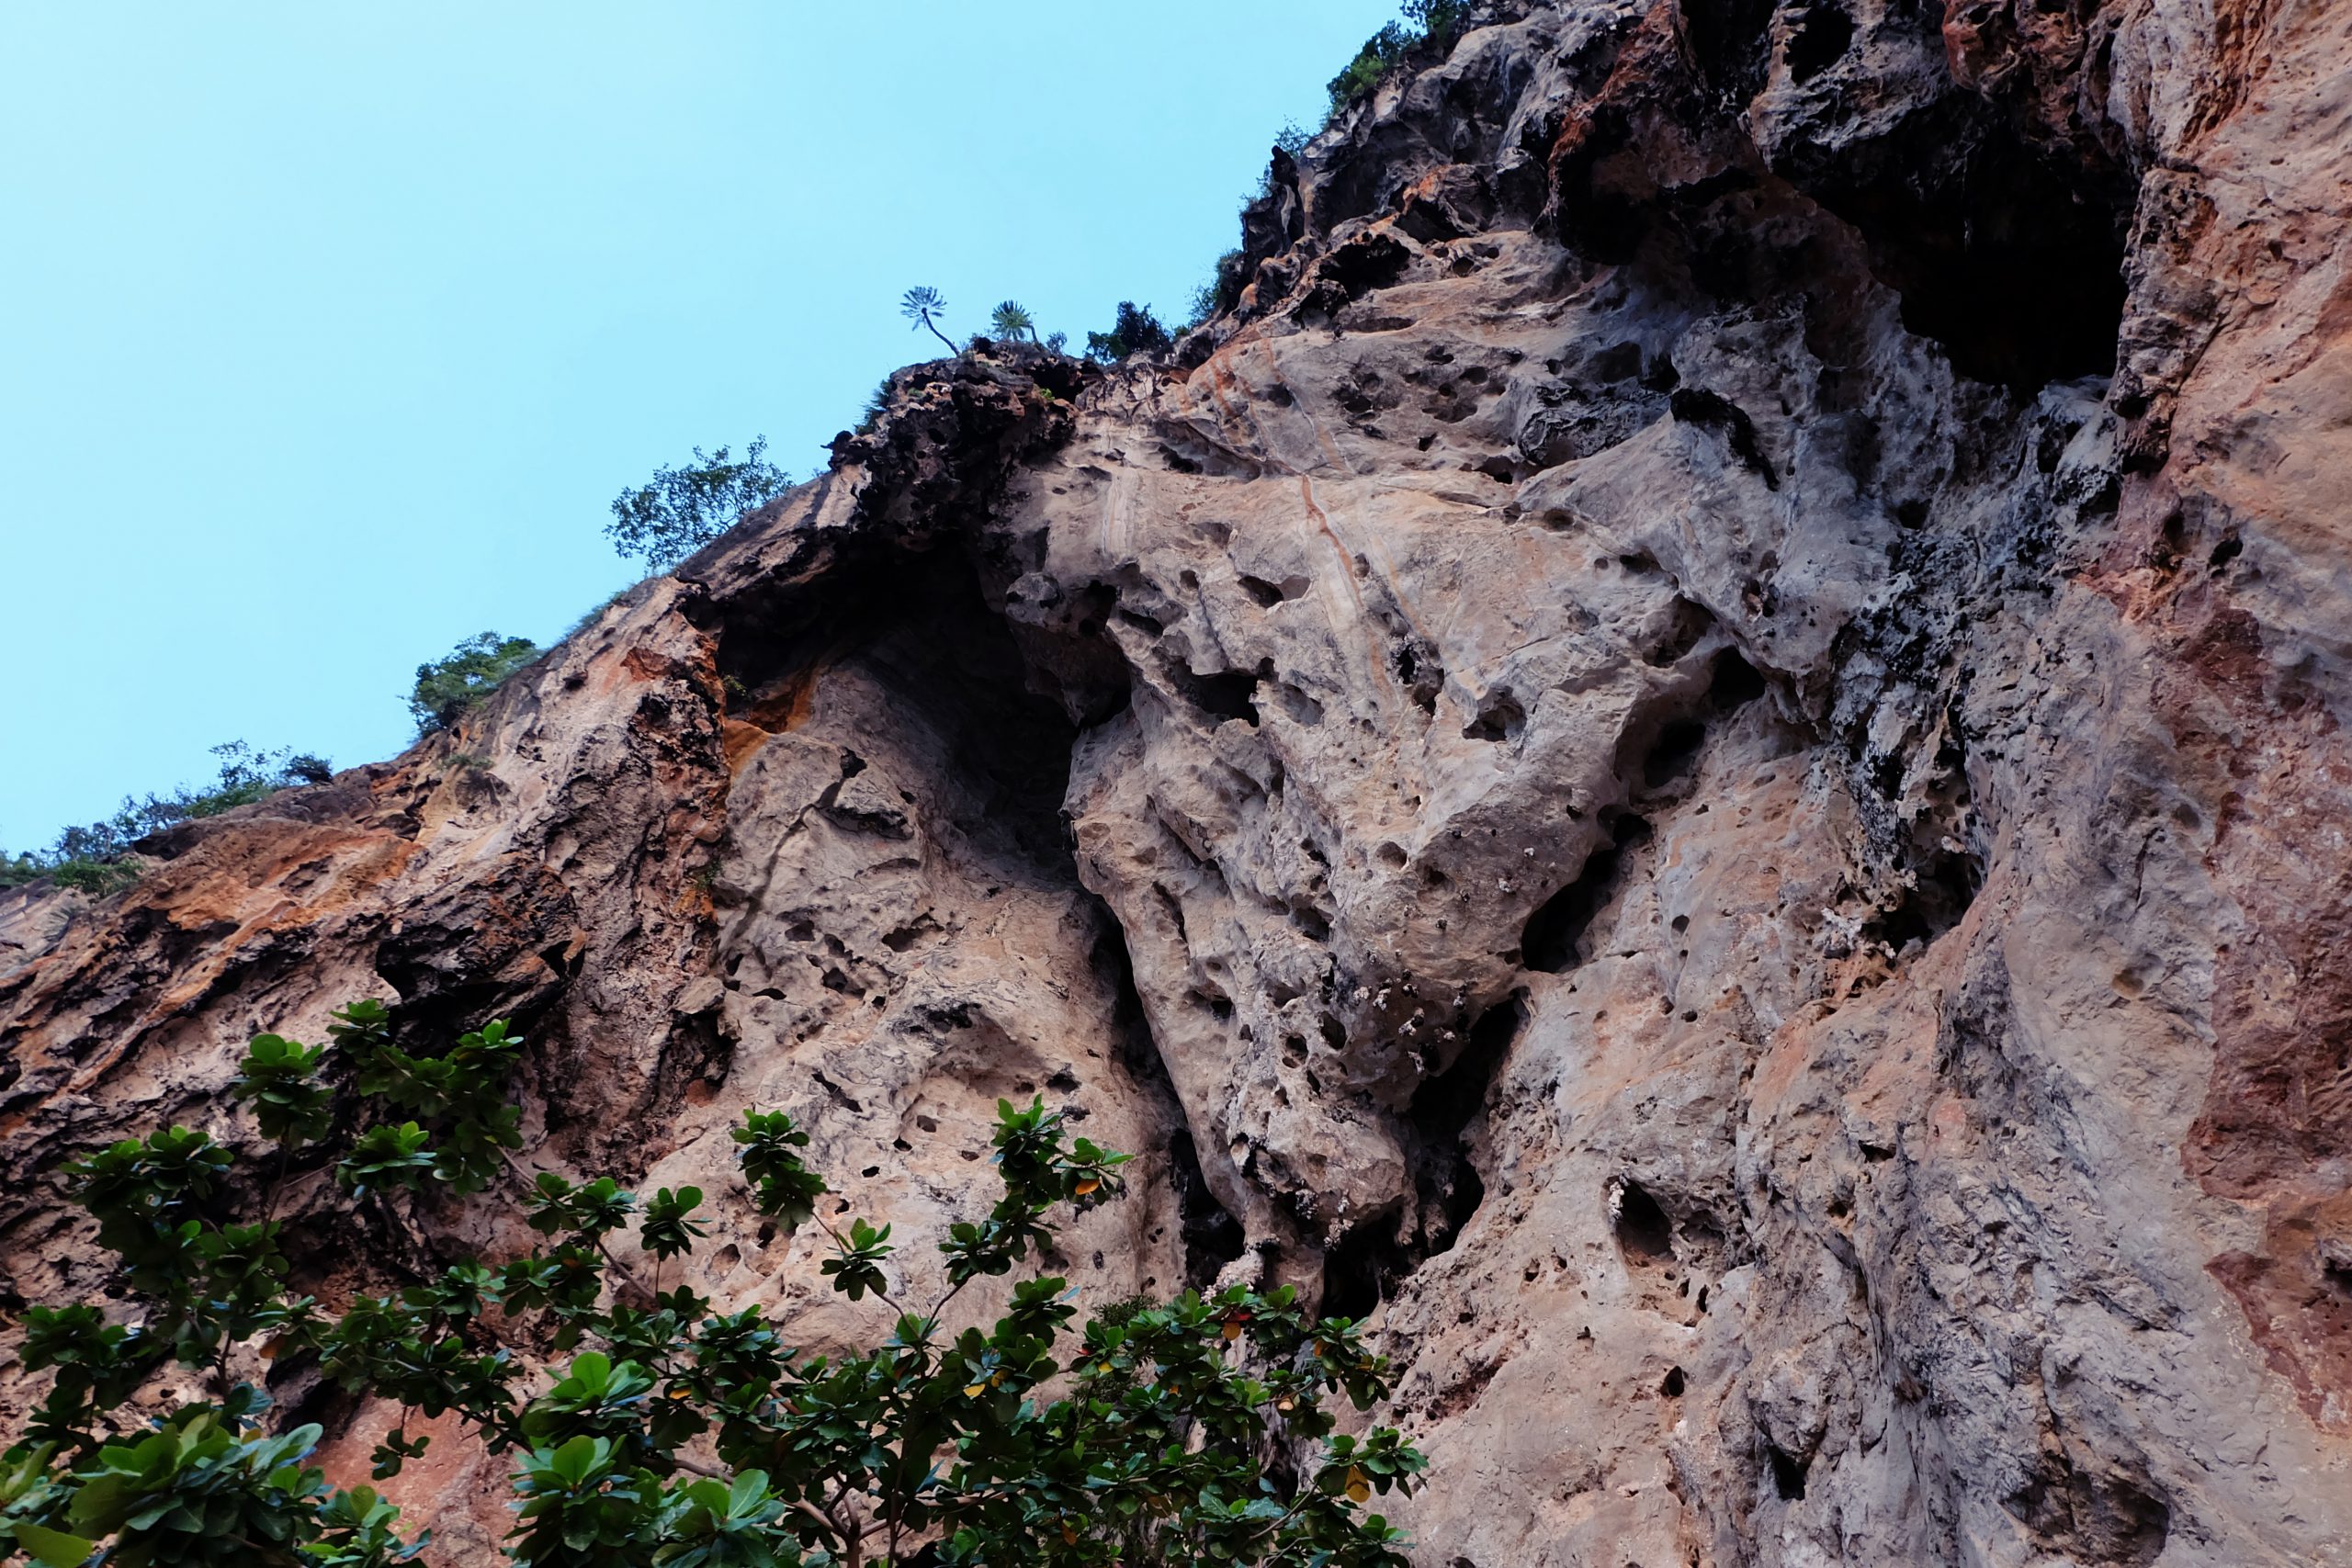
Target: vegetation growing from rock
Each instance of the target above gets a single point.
(1134, 331)
(924, 306)
(674, 1430)
(97, 857)
(1439, 19)
(449, 686)
(681, 510)
(1011, 320)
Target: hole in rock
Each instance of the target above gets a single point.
(1940, 895)
(1367, 262)
(1819, 35)
(1358, 1267)
(1788, 1471)
(1674, 1385)
(1363, 1267)
(1674, 754)
(917, 626)
(1228, 693)
(1683, 629)
(1211, 1237)
(1549, 941)
(1711, 410)
(1644, 1234)
(1258, 588)
(1501, 719)
(1732, 683)
(2009, 257)
(1726, 37)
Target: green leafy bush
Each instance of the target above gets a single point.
(97, 857)
(1362, 74)
(668, 1431)
(682, 508)
(1222, 290)
(1136, 330)
(1437, 19)
(447, 687)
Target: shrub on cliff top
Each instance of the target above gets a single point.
(1439, 19)
(447, 687)
(96, 856)
(648, 1427)
(1136, 330)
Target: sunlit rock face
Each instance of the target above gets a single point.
(1693, 759)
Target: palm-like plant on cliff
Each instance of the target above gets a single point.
(1013, 321)
(921, 306)
(652, 1428)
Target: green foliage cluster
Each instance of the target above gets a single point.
(97, 856)
(1437, 19)
(447, 687)
(1013, 321)
(1362, 74)
(875, 407)
(678, 1434)
(1134, 331)
(684, 508)
(1222, 290)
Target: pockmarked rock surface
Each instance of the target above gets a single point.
(1695, 759)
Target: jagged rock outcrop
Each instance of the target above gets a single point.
(1695, 758)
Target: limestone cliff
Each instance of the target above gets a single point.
(1695, 759)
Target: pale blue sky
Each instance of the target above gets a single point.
(330, 332)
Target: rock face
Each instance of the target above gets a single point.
(1695, 759)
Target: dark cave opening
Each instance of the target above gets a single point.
(2020, 279)
(1674, 754)
(1211, 1237)
(1363, 1267)
(1941, 892)
(1549, 942)
(1226, 694)
(1819, 35)
(918, 624)
(1644, 1232)
(1788, 1471)
(1359, 1266)
(2005, 250)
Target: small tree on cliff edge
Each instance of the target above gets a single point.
(447, 687)
(684, 508)
(919, 306)
(1134, 331)
(675, 1433)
